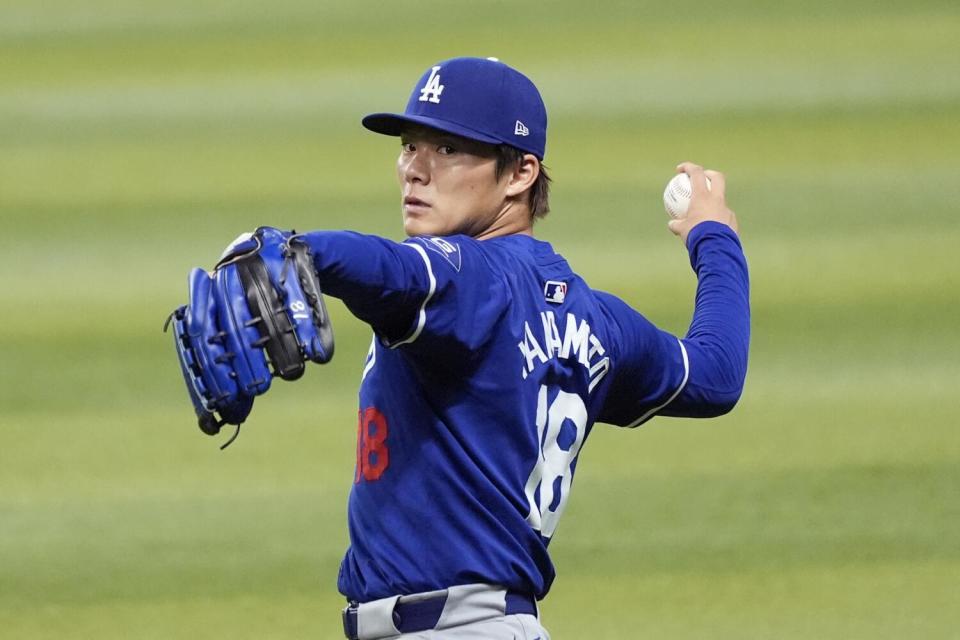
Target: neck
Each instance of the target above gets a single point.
(514, 219)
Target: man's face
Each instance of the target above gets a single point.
(448, 183)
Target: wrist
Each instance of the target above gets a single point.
(703, 233)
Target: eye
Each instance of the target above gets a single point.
(408, 147)
(445, 150)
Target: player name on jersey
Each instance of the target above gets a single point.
(578, 343)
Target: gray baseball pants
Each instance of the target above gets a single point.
(469, 612)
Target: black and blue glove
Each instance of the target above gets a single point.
(259, 314)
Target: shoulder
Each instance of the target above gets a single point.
(625, 327)
(454, 252)
(466, 255)
(610, 303)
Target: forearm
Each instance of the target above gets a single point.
(382, 282)
(717, 342)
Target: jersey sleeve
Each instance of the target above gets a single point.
(702, 374)
(421, 290)
(381, 282)
(466, 297)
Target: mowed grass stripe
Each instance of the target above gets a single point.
(686, 523)
(861, 267)
(797, 603)
(834, 153)
(882, 600)
(634, 37)
(683, 541)
(846, 417)
(309, 611)
(664, 86)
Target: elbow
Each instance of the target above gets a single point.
(726, 397)
(717, 376)
(724, 402)
(713, 401)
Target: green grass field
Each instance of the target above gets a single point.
(138, 138)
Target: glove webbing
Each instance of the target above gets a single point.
(279, 337)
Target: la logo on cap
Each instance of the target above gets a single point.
(432, 89)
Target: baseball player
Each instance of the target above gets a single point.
(491, 360)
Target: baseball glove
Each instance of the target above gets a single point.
(260, 314)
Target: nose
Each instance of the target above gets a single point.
(414, 167)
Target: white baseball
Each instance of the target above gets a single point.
(676, 197)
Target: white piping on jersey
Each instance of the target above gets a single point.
(683, 383)
(371, 358)
(422, 316)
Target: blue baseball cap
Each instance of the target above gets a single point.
(477, 98)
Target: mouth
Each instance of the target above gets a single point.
(414, 205)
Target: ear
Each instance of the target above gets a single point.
(523, 176)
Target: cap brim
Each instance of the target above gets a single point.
(391, 124)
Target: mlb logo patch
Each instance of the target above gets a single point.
(555, 292)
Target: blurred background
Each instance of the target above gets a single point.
(138, 138)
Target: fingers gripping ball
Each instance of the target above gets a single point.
(677, 195)
(261, 313)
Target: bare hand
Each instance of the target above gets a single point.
(705, 204)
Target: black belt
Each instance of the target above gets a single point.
(411, 617)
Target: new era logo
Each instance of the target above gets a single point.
(520, 129)
(555, 292)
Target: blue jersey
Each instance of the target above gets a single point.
(491, 361)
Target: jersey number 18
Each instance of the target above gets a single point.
(561, 428)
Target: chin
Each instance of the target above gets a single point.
(419, 227)
(411, 227)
